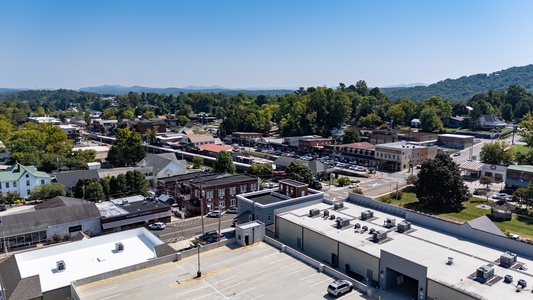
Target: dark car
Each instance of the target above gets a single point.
(2, 207)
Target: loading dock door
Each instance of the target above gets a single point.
(334, 260)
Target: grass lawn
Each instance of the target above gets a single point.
(521, 149)
(522, 226)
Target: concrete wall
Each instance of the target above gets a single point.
(440, 291)
(359, 261)
(254, 230)
(57, 294)
(319, 246)
(289, 234)
(93, 225)
(368, 202)
(404, 266)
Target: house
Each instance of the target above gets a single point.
(454, 122)
(318, 169)
(245, 138)
(70, 179)
(153, 124)
(491, 122)
(294, 141)
(156, 166)
(41, 120)
(518, 176)
(313, 144)
(213, 149)
(22, 179)
(416, 123)
(196, 140)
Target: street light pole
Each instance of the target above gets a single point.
(199, 272)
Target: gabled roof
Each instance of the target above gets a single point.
(58, 201)
(472, 166)
(315, 166)
(159, 161)
(196, 138)
(483, 223)
(491, 120)
(70, 179)
(14, 172)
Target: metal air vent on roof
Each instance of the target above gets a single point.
(389, 223)
(485, 272)
(342, 222)
(338, 205)
(450, 261)
(326, 213)
(367, 214)
(507, 259)
(314, 212)
(404, 226)
(119, 247)
(61, 266)
(379, 235)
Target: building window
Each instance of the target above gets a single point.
(232, 190)
(7, 185)
(209, 194)
(15, 183)
(221, 192)
(268, 217)
(27, 183)
(28, 192)
(243, 188)
(0, 185)
(221, 205)
(253, 187)
(27, 175)
(233, 202)
(42, 181)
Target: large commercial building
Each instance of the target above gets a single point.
(425, 258)
(402, 155)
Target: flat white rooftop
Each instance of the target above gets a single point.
(87, 257)
(423, 246)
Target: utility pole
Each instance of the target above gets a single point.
(201, 212)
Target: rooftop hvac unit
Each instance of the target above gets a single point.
(314, 212)
(119, 247)
(508, 259)
(326, 213)
(367, 214)
(389, 223)
(450, 261)
(61, 266)
(379, 235)
(404, 226)
(338, 205)
(342, 222)
(484, 272)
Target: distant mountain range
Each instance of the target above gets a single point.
(465, 87)
(459, 89)
(119, 90)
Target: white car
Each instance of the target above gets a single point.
(213, 214)
(339, 287)
(354, 185)
(157, 226)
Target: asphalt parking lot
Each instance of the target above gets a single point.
(255, 272)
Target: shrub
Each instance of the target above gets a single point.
(67, 237)
(358, 191)
(343, 181)
(56, 238)
(385, 199)
(396, 195)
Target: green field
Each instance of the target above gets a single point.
(522, 226)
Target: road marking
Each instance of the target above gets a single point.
(245, 291)
(317, 273)
(286, 266)
(89, 294)
(258, 297)
(320, 282)
(273, 262)
(304, 268)
(112, 296)
(225, 279)
(229, 287)
(214, 289)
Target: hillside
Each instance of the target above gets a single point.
(465, 87)
(120, 90)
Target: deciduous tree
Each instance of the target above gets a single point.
(299, 172)
(127, 149)
(224, 163)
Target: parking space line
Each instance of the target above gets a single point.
(225, 279)
(303, 278)
(286, 266)
(229, 287)
(304, 268)
(273, 262)
(112, 296)
(245, 291)
(258, 297)
(266, 256)
(215, 289)
(320, 282)
(90, 294)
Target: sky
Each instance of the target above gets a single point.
(258, 44)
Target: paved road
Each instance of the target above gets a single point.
(189, 228)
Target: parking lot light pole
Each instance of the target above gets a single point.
(198, 273)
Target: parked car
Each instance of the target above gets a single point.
(213, 214)
(457, 154)
(339, 287)
(157, 226)
(360, 169)
(208, 234)
(2, 207)
(354, 185)
(232, 210)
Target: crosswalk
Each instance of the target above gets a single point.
(382, 190)
(179, 238)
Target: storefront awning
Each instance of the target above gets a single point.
(138, 219)
(474, 166)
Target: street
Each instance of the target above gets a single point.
(179, 230)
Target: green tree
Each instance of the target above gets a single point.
(526, 129)
(371, 120)
(224, 163)
(520, 194)
(106, 187)
(197, 162)
(440, 184)
(137, 183)
(127, 149)
(528, 197)
(487, 181)
(430, 121)
(183, 120)
(261, 169)
(149, 114)
(343, 181)
(497, 153)
(151, 135)
(94, 191)
(351, 136)
(48, 191)
(299, 172)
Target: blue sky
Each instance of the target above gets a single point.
(262, 44)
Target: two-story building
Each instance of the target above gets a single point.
(153, 124)
(196, 140)
(245, 138)
(219, 192)
(313, 144)
(402, 155)
(363, 153)
(22, 179)
(519, 176)
(294, 141)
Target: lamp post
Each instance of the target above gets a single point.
(199, 272)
